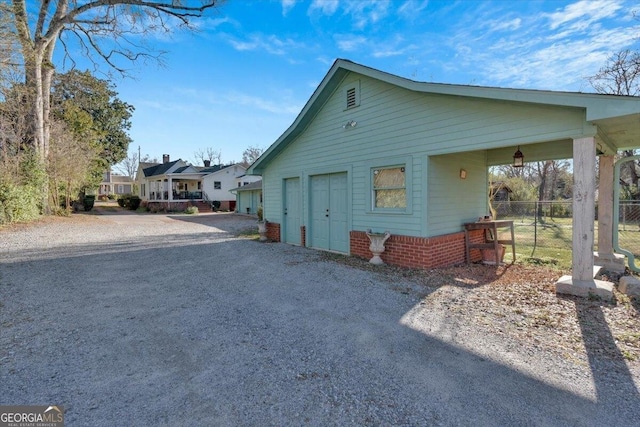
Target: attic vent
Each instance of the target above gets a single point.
(351, 97)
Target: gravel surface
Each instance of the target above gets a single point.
(173, 320)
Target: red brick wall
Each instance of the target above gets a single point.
(418, 252)
(273, 231)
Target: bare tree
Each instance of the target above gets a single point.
(109, 31)
(129, 166)
(209, 154)
(148, 159)
(250, 155)
(69, 166)
(621, 76)
(9, 46)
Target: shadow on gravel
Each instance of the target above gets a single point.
(605, 358)
(170, 242)
(226, 221)
(236, 332)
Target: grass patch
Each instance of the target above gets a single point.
(249, 232)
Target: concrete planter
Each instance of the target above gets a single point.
(262, 230)
(377, 245)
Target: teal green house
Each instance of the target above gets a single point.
(375, 151)
(248, 197)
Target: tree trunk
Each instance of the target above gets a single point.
(542, 172)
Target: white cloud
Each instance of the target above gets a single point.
(509, 48)
(349, 42)
(196, 101)
(584, 12)
(326, 7)
(510, 25)
(269, 43)
(276, 106)
(364, 12)
(412, 8)
(394, 47)
(287, 5)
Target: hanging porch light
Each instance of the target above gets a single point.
(518, 159)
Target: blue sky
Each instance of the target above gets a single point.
(242, 79)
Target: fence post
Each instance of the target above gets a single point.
(535, 230)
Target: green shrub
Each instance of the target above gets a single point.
(18, 203)
(88, 202)
(191, 210)
(61, 211)
(111, 196)
(133, 203)
(129, 201)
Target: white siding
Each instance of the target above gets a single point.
(227, 178)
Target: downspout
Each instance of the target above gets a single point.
(616, 212)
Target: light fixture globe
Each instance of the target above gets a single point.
(518, 159)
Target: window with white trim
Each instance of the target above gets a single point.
(389, 188)
(217, 185)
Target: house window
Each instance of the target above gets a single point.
(245, 183)
(199, 185)
(143, 190)
(120, 189)
(217, 185)
(389, 188)
(352, 95)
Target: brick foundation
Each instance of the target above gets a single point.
(419, 252)
(273, 231)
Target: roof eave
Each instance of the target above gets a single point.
(596, 106)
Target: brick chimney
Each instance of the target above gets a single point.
(207, 163)
(165, 158)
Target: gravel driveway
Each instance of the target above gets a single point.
(160, 320)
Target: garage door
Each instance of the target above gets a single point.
(329, 212)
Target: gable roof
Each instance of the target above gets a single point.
(217, 168)
(159, 168)
(121, 179)
(257, 185)
(599, 109)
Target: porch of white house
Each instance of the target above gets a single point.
(176, 190)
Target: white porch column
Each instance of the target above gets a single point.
(581, 282)
(605, 256)
(170, 190)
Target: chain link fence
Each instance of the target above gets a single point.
(543, 230)
(629, 226)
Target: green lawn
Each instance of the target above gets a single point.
(550, 241)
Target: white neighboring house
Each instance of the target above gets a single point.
(220, 180)
(178, 181)
(113, 183)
